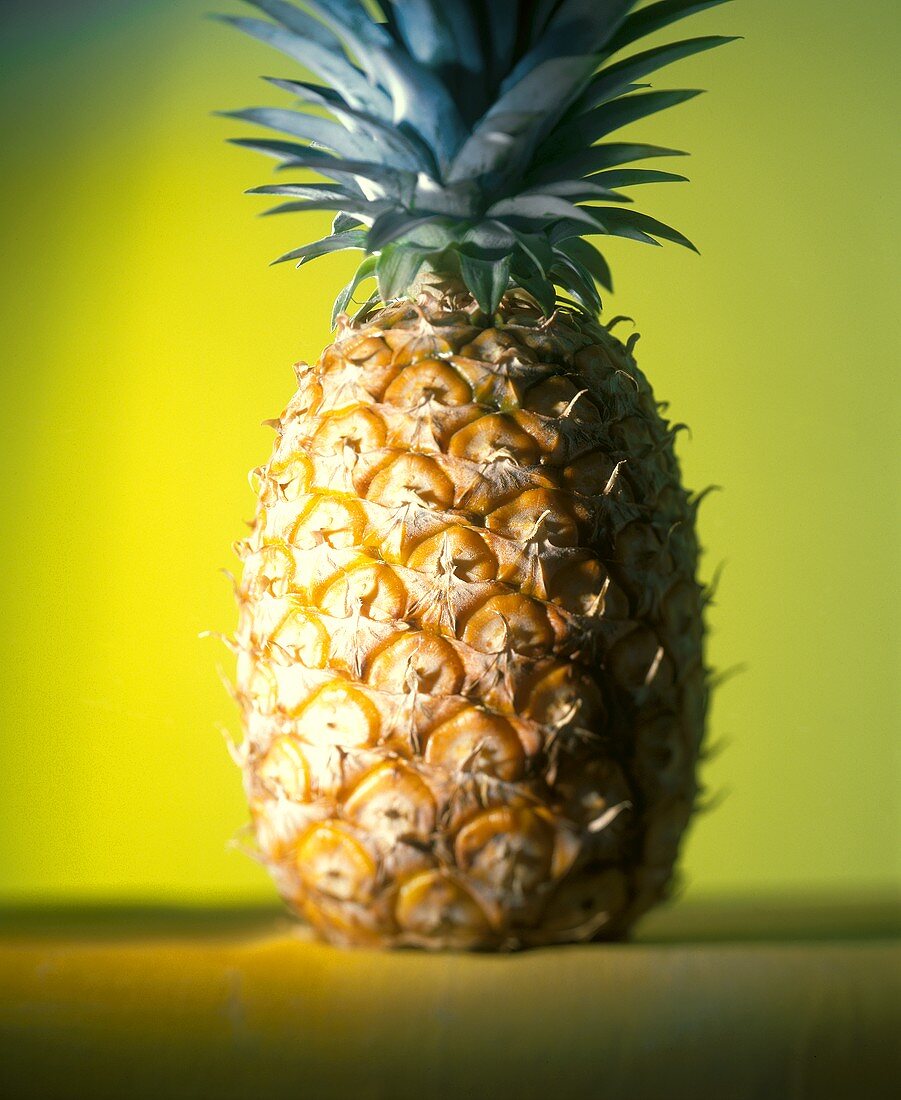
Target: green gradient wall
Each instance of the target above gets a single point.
(145, 338)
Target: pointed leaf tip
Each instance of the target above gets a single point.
(486, 280)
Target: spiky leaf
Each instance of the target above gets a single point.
(337, 242)
(471, 135)
(397, 267)
(485, 279)
(365, 271)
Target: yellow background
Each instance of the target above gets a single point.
(145, 338)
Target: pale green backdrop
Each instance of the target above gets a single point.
(145, 339)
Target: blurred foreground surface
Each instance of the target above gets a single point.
(733, 1001)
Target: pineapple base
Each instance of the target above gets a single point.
(470, 660)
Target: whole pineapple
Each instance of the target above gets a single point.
(470, 643)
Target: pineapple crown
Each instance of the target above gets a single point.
(469, 137)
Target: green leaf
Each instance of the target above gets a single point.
(586, 24)
(344, 222)
(434, 235)
(653, 18)
(537, 250)
(395, 146)
(486, 280)
(500, 36)
(503, 140)
(569, 274)
(489, 240)
(606, 155)
(578, 191)
(365, 307)
(303, 156)
(589, 257)
(460, 201)
(317, 49)
(615, 78)
(439, 34)
(631, 223)
(298, 22)
(317, 95)
(447, 38)
(539, 207)
(392, 224)
(418, 96)
(568, 230)
(325, 191)
(364, 207)
(577, 289)
(541, 289)
(397, 268)
(323, 131)
(364, 271)
(631, 177)
(589, 127)
(434, 114)
(337, 242)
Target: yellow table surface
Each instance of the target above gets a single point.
(710, 1001)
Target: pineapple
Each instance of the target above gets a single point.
(470, 648)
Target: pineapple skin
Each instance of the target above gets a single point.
(470, 645)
